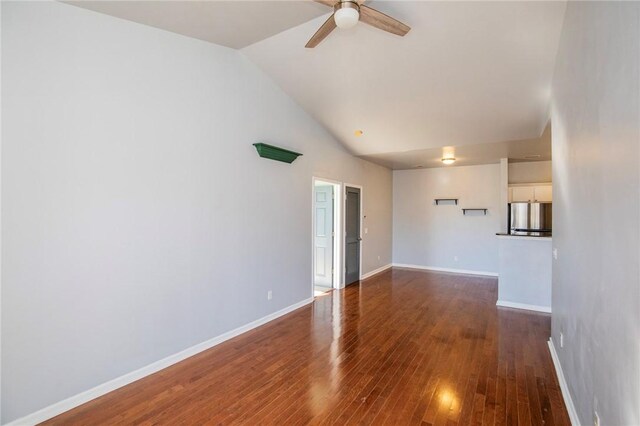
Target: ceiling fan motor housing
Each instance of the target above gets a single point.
(346, 4)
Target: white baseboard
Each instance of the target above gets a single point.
(438, 269)
(525, 306)
(375, 272)
(564, 388)
(93, 393)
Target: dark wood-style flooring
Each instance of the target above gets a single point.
(404, 347)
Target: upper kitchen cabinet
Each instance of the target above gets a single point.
(521, 194)
(542, 194)
(530, 193)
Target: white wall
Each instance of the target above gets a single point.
(529, 172)
(377, 203)
(596, 157)
(1, 133)
(428, 235)
(138, 219)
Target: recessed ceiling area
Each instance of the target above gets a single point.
(234, 24)
(536, 149)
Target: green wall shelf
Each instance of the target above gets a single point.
(274, 153)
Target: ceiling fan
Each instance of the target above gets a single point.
(347, 13)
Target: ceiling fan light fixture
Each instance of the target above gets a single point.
(347, 14)
(448, 160)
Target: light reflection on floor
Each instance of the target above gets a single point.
(321, 291)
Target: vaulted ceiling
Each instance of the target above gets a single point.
(467, 73)
(235, 23)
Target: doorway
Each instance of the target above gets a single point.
(353, 239)
(325, 236)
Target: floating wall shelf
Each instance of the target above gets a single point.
(464, 211)
(274, 153)
(446, 201)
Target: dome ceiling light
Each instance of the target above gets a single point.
(448, 160)
(347, 14)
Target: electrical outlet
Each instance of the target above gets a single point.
(596, 418)
(378, 257)
(269, 295)
(555, 254)
(366, 230)
(561, 340)
(455, 258)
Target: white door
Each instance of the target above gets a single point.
(323, 236)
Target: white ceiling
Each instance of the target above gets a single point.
(235, 24)
(468, 73)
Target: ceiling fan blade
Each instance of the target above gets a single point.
(328, 26)
(380, 20)
(329, 3)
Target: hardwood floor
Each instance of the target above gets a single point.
(404, 347)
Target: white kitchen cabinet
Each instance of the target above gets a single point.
(543, 194)
(530, 194)
(522, 194)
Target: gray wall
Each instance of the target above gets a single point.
(432, 236)
(138, 219)
(531, 171)
(527, 282)
(596, 140)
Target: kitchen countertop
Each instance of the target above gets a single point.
(526, 237)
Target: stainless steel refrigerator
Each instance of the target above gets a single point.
(530, 219)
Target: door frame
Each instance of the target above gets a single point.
(337, 280)
(344, 227)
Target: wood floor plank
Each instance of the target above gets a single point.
(404, 347)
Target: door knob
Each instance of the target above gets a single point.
(359, 239)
